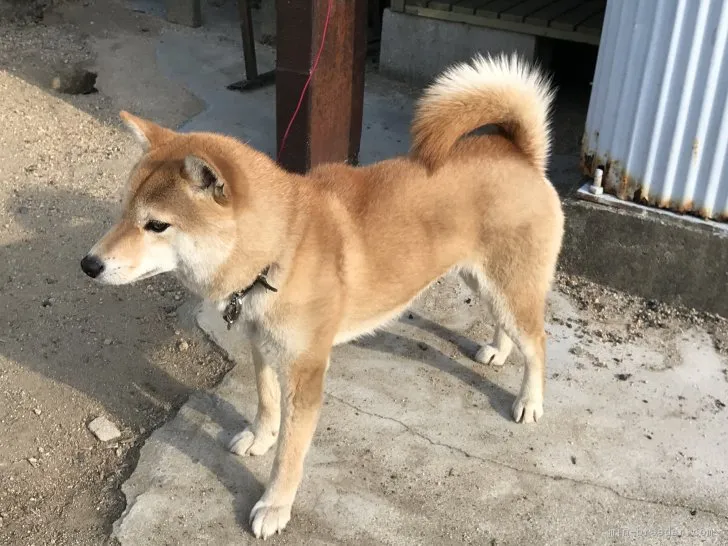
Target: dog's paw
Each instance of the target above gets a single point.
(527, 409)
(488, 354)
(248, 442)
(267, 520)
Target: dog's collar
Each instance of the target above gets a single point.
(235, 302)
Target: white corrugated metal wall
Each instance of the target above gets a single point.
(657, 119)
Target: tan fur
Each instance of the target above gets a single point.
(349, 248)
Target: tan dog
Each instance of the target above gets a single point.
(347, 249)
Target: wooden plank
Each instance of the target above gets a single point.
(593, 25)
(469, 6)
(328, 126)
(571, 19)
(442, 5)
(519, 13)
(494, 9)
(523, 28)
(545, 15)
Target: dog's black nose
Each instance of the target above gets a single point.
(92, 266)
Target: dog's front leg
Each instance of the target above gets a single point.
(303, 388)
(262, 433)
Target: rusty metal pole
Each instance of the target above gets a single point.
(328, 126)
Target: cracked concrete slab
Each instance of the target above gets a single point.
(415, 443)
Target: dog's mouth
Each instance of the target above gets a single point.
(150, 274)
(112, 277)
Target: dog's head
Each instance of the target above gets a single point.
(178, 211)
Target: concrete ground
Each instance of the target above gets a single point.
(415, 444)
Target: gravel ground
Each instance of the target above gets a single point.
(620, 318)
(71, 351)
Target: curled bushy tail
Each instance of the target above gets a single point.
(503, 90)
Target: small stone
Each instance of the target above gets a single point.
(104, 429)
(107, 341)
(182, 346)
(33, 461)
(37, 411)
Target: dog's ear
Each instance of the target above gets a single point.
(204, 177)
(147, 133)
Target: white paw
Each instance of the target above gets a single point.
(248, 442)
(527, 409)
(267, 520)
(487, 354)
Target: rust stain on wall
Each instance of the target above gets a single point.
(617, 181)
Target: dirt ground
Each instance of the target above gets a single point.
(71, 351)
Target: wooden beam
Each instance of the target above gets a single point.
(328, 125)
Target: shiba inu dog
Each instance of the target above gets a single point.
(303, 263)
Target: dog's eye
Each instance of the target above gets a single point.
(156, 226)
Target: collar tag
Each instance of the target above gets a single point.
(232, 310)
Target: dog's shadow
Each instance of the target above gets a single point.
(405, 347)
(102, 341)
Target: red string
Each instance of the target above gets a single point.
(308, 81)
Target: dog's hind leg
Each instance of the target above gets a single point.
(497, 351)
(522, 312)
(519, 314)
(262, 433)
(531, 340)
